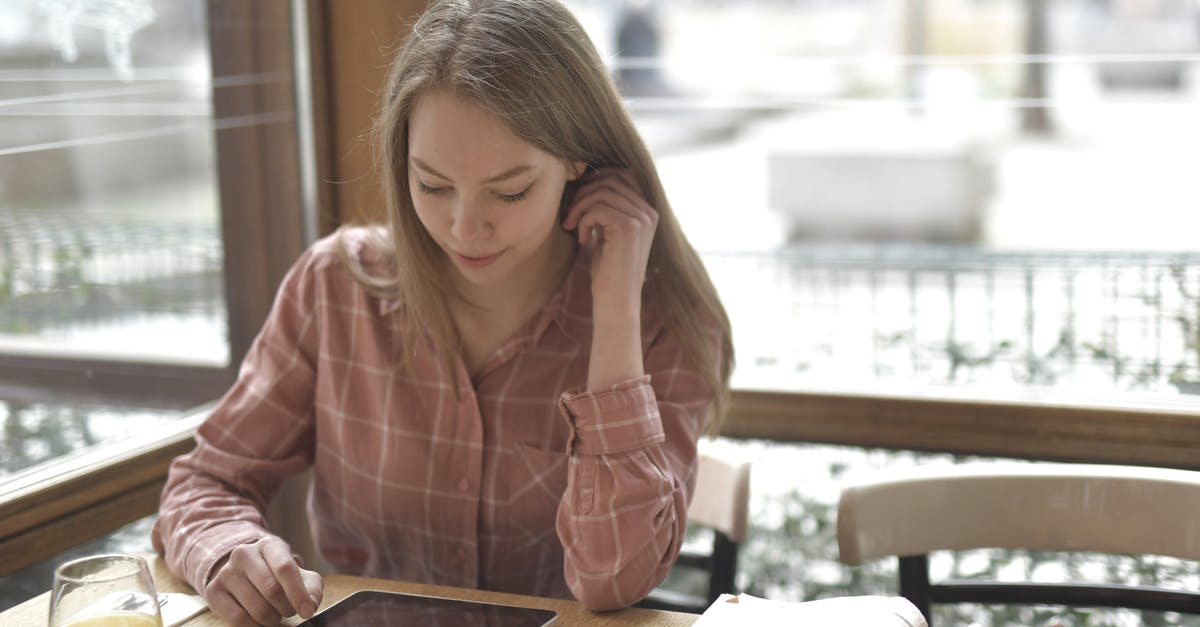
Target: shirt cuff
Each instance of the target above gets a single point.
(203, 556)
(621, 418)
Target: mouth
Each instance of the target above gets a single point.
(476, 261)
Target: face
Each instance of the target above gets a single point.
(489, 199)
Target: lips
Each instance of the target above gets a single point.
(476, 261)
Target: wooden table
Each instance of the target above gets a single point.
(33, 612)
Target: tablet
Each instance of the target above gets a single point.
(378, 608)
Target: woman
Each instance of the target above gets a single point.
(500, 388)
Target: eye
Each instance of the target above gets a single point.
(432, 191)
(517, 197)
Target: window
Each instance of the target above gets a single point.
(151, 200)
(951, 198)
(111, 225)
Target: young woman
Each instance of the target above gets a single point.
(500, 388)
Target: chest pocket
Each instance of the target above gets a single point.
(537, 479)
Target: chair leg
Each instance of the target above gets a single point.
(914, 583)
(724, 566)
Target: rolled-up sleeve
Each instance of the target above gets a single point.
(631, 471)
(259, 434)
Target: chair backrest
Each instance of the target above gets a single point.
(721, 502)
(1048, 507)
(722, 496)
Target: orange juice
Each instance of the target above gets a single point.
(116, 619)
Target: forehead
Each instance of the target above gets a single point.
(459, 137)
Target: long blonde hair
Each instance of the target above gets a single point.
(531, 64)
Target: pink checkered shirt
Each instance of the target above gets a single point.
(526, 483)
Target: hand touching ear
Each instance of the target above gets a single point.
(610, 212)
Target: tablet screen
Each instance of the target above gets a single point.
(393, 609)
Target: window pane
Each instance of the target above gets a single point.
(37, 431)
(109, 225)
(974, 197)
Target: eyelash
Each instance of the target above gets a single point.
(509, 198)
(517, 197)
(432, 191)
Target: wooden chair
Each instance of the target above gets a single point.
(1039, 507)
(721, 502)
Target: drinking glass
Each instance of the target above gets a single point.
(104, 591)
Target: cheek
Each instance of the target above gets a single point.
(427, 213)
(540, 216)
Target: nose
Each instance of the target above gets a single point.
(468, 222)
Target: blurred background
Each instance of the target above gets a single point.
(938, 198)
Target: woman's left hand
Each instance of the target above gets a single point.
(610, 208)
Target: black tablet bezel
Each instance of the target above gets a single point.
(359, 597)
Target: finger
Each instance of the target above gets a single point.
(615, 214)
(612, 178)
(626, 176)
(618, 183)
(243, 593)
(254, 603)
(618, 197)
(287, 573)
(227, 608)
(608, 222)
(315, 586)
(259, 574)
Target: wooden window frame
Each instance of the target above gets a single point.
(63, 503)
(1051, 430)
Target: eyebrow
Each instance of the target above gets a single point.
(507, 174)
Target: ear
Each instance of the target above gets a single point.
(576, 170)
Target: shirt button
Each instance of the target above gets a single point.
(463, 485)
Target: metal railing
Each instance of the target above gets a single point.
(808, 316)
(59, 273)
(858, 316)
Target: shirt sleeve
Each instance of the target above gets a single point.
(631, 471)
(259, 434)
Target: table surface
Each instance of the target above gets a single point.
(34, 611)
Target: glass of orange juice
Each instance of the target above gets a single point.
(104, 591)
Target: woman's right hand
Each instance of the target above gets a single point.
(261, 583)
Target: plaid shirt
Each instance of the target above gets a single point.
(522, 482)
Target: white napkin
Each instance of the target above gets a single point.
(177, 607)
(857, 611)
